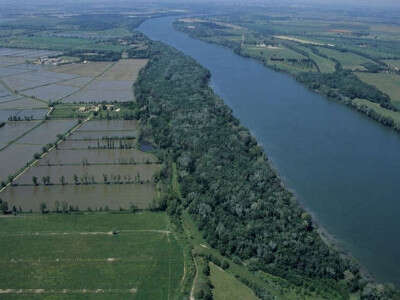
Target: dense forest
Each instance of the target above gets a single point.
(226, 182)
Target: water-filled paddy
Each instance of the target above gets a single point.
(51, 92)
(35, 114)
(91, 174)
(13, 130)
(94, 196)
(95, 156)
(47, 132)
(103, 125)
(15, 157)
(19, 103)
(96, 135)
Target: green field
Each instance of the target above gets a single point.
(388, 83)
(57, 43)
(325, 65)
(227, 287)
(347, 59)
(380, 110)
(78, 257)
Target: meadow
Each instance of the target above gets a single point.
(78, 257)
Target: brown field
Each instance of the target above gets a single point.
(90, 69)
(115, 196)
(95, 156)
(86, 174)
(126, 69)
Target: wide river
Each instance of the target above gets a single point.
(343, 167)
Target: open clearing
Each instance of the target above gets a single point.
(347, 59)
(227, 287)
(143, 261)
(386, 82)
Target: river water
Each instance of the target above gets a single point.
(343, 167)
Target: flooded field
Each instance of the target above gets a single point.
(36, 114)
(113, 196)
(47, 132)
(95, 156)
(96, 135)
(12, 130)
(15, 157)
(52, 92)
(70, 83)
(21, 103)
(91, 174)
(18, 154)
(103, 125)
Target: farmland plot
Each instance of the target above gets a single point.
(112, 125)
(21, 103)
(94, 196)
(52, 92)
(96, 156)
(91, 173)
(35, 114)
(12, 130)
(80, 259)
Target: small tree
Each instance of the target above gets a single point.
(62, 180)
(35, 180)
(4, 207)
(76, 179)
(43, 208)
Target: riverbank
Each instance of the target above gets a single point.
(385, 114)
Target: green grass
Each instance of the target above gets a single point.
(227, 287)
(325, 65)
(380, 110)
(54, 252)
(347, 59)
(386, 82)
(57, 43)
(62, 111)
(265, 54)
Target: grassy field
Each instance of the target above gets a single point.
(347, 59)
(227, 287)
(267, 55)
(325, 65)
(78, 257)
(380, 110)
(386, 82)
(57, 43)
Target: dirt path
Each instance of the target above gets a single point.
(194, 281)
(68, 291)
(82, 233)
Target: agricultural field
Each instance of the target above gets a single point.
(105, 170)
(388, 83)
(20, 149)
(90, 256)
(348, 60)
(227, 287)
(69, 83)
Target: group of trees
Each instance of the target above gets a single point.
(227, 185)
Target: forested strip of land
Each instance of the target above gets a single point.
(226, 182)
